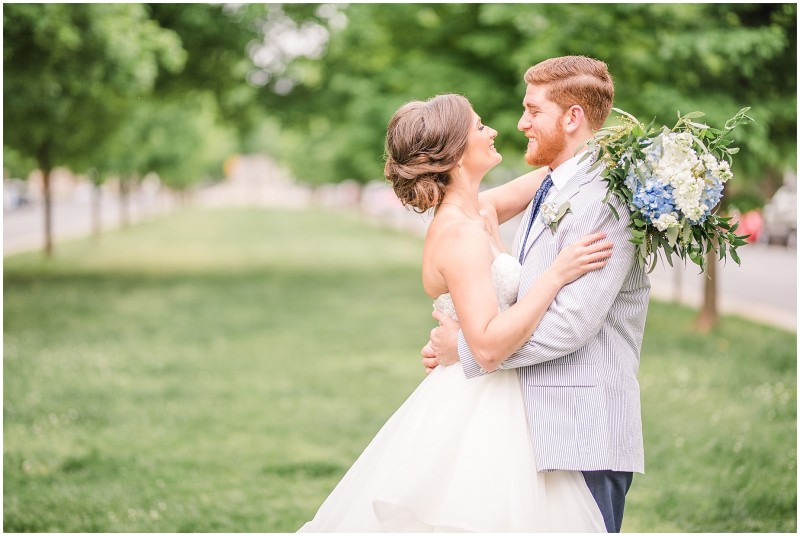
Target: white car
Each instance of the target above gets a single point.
(780, 218)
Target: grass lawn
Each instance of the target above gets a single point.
(218, 371)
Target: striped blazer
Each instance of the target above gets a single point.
(578, 370)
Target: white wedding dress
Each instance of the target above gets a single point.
(457, 457)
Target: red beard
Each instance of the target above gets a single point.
(549, 145)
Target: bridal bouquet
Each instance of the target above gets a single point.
(671, 180)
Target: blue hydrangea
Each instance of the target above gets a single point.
(711, 196)
(653, 199)
(713, 191)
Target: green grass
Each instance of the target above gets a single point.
(218, 371)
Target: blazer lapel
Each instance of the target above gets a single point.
(573, 186)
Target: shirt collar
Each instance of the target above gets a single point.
(563, 173)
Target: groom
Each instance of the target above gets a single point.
(578, 370)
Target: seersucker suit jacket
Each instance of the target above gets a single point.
(578, 371)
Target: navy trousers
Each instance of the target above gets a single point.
(608, 489)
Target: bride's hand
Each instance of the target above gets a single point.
(587, 254)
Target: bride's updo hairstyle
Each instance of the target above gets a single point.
(424, 142)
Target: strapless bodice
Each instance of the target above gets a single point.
(506, 272)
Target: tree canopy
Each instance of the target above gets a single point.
(69, 70)
(665, 59)
(315, 84)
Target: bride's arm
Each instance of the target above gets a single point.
(466, 266)
(511, 198)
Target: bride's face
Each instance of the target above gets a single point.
(480, 155)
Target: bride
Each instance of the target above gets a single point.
(457, 455)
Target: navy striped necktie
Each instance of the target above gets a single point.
(541, 193)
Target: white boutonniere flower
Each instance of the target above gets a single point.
(551, 214)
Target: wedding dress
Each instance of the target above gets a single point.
(457, 457)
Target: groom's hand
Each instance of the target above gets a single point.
(444, 339)
(429, 359)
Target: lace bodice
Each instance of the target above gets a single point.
(506, 272)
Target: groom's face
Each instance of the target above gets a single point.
(541, 122)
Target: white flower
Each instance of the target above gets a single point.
(667, 221)
(551, 214)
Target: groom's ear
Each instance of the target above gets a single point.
(574, 119)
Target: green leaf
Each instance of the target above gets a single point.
(563, 210)
(686, 232)
(613, 211)
(693, 115)
(669, 256)
(653, 265)
(672, 235)
(735, 256)
(626, 114)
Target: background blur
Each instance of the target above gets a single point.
(176, 177)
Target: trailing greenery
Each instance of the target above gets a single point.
(219, 371)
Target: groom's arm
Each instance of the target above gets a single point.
(580, 308)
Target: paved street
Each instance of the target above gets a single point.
(23, 227)
(764, 287)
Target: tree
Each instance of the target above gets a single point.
(216, 40)
(70, 73)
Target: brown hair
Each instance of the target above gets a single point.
(577, 80)
(424, 141)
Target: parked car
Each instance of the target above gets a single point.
(780, 218)
(15, 194)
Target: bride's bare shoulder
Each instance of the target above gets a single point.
(452, 242)
(457, 240)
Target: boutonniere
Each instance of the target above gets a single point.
(551, 214)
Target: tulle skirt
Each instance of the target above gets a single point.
(457, 457)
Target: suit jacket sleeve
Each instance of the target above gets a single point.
(580, 308)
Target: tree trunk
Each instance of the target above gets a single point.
(124, 217)
(709, 316)
(48, 211)
(97, 199)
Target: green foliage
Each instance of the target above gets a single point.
(215, 38)
(85, 68)
(664, 58)
(127, 89)
(182, 141)
(16, 165)
(68, 71)
(219, 371)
